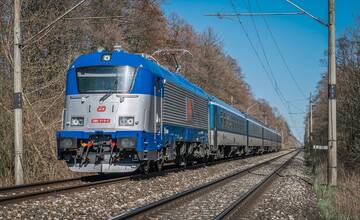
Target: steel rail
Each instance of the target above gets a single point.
(234, 207)
(42, 183)
(46, 183)
(34, 194)
(140, 213)
(20, 196)
(24, 195)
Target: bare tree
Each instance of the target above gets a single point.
(139, 26)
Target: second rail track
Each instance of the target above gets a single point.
(153, 209)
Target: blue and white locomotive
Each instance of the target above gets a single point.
(125, 111)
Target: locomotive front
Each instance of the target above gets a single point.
(107, 121)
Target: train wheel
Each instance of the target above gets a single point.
(182, 149)
(160, 161)
(146, 167)
(182, 155)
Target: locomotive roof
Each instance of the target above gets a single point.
(136, 60)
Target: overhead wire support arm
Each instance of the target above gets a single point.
(255, 14)
(307, 13)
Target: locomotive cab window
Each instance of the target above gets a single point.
(102, 79)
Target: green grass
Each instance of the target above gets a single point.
(326, 203)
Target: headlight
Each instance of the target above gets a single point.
(77, 121)
(127, 143)
(126, 121)
(66, 143)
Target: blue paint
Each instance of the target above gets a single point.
(174, 133)
(145, 79)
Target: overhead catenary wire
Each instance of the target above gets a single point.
(281, 54)
(50, 25)
(296, 107)
(269, 72)
(254, 49)
(286, 103)
(277, 89)
(95, 18)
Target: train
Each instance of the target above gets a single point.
(125, 112)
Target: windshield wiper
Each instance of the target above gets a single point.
(110, 92)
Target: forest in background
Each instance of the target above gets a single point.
(344, 202)
(140, 27)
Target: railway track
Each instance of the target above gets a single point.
(235, 208)
(30, 191)
(35, 190)
(166, 208)
(41, 189)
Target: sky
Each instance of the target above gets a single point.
(302, 43)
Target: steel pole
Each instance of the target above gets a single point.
(311, 121)
(332, 157)
(308, 123)
(18, 123)
(308, 131)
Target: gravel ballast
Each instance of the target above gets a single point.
(106, 201)
(209, 205)
(290, 196)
